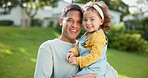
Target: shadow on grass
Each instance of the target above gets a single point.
(4, 50)
(123, 76)
(16, 62)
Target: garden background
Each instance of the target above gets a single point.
(128, 41)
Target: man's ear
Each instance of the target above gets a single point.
(61, 20)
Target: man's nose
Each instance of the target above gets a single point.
(74, 24)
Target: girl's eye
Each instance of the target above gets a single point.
(92, 19)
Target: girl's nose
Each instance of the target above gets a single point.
(88, 22)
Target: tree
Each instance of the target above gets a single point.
(8, 4)
(82, 1)
(118, 5)
(30, 6)
(139, 10)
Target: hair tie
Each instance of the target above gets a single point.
(99, 10)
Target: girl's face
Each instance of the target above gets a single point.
(91, 21)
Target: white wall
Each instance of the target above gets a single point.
(115, 16)
(15, 16)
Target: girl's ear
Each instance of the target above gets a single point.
(102, 21)
(61, 20)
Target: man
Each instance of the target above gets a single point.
(51, 60)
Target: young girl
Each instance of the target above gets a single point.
(90, 52)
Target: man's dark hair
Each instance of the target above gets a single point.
(72, 7)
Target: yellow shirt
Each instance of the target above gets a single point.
(95, 44)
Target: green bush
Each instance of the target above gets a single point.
(121, 39)
(36, 22)
(6, 22)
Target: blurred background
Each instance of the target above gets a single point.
(25, 24)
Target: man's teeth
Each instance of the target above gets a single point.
(73, 30)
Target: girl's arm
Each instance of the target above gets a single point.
(97, 42)
(74, 50)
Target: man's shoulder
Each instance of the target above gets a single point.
(48, 42)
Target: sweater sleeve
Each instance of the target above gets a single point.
(96, 42)
(44, 64)
(75, 50)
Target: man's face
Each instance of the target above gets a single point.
(72, 25)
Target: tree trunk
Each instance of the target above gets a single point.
(31, 13)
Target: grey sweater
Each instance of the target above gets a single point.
(51, 60)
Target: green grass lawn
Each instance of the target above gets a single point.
(128, 65)
(18, 51)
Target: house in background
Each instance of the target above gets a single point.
(49, 15)
(115, 16)
(56, 14)
(17, 15)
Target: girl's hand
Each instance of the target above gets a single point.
(72, 60)
(70, 54)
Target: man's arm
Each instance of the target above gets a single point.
(84, 76)
(44, 62)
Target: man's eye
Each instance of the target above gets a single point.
(69, 20)
(80, 22)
